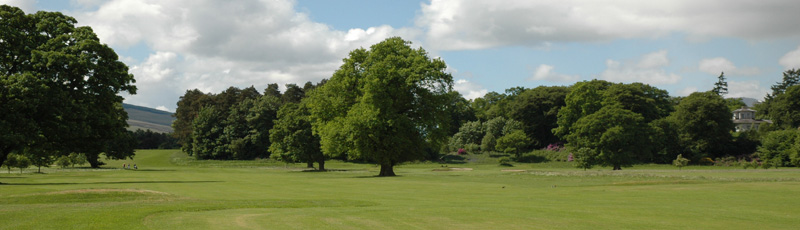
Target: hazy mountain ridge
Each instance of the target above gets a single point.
(140, 117)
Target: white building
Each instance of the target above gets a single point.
(745, 119)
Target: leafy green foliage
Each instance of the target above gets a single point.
(704, 124)
(779, 146)
(63, 85)
(617, 136)
(514, 142)
(22, 162)
(385, 104)
(537, 109)
(680, 161)
(721, 86)
(292, 138)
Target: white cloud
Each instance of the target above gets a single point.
(751, 89)
(791, 60)
(468, 89)
(163, 108)
(719, 64)
(29, 6)
(211, 45)
(686, 91)
(477, 24)
(648, 69)
(546, 73)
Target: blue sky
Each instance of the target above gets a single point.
(680, 46)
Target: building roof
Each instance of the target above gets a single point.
(744, 109)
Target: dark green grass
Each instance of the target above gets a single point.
(171, 191)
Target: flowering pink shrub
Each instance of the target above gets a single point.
(570, 158)
(558, 146)
(462, 152)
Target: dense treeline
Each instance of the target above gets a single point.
(374, 110)
(616, 124)
(60, 90)
(147, 139)
(234, 124)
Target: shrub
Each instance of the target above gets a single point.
(680, 161)
(706, 161)
(532, 157)
(505, 161)
(462, 151)
(473, 148)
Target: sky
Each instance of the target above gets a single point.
(681, 46)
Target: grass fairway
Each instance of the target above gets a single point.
(171, 191)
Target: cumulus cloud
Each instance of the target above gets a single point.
(751, 89)
(478, 24)
(546, 73)
(791, 60)
(469, 90)
(211, 45)
(29, 6)
(686, 91)
(719, 64)
(648, 69)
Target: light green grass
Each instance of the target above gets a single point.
(171, 191)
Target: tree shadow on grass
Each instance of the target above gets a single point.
(453, 159)
(376, 176)
(116, 182)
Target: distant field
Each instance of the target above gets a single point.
(148, 118)
(171, 191)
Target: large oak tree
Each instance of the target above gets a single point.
(59, 88)
(387, 104)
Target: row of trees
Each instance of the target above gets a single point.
(59, 90)
(619, 124)
(392, 103)
(385, 105)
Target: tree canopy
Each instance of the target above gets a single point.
(386, 104)
(60, 89)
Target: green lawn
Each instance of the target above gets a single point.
(171, 191)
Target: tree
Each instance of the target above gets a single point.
(246, 131)
(77, 159)
(734, 103)
(460, 112)
(778, 146)
(22, 162)
(292, 138)
(62, 83)
(790, 78)
(721, 87)
(583, 99)
(616, 136)
(514, 142)
(704, 125)
(386, 104)
(206, 141)
(63, 161)
(189, 106)
(293, 94)
(585, 158)
(470, 133)
(11, 162)
(40, 158)
(784, 109)
(680, 162)
(537, 109)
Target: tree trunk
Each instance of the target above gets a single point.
(321, 164)
(387, 170)
(40, 169)
(617, 167)
(4, 154)
(309, 164)
(93, 160)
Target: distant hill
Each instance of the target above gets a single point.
(148, 118)
(750, 102)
